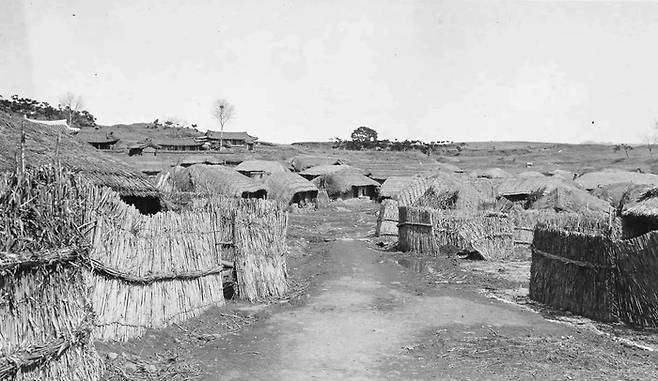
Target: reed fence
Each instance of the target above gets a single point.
(387, 219)
(597, 275)
(46, 319)
(426, 230)
(152, 271)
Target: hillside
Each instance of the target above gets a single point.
(135, 132)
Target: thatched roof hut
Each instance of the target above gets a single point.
(291, 188)
(216, 180)
(303, 162)
(621, 196)
(519, 188)
(452, 192)
(565, 198)
(101, 169)
(593, 180)
(347, 184)
(321, 170)
(260, 168)
(490, 173)
(641, 216)
(393, 185)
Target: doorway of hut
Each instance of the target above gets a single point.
(147, 205)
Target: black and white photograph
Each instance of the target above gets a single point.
(218, 190)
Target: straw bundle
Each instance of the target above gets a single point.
(416, 230)
(573, 271)
(387, 220)
(260, 231)
(151, 271)
(45, 314)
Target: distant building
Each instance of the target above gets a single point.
(99, 139)
(232, 139)
(178, 144)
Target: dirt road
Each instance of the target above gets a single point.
(368, 319)
(364, 316)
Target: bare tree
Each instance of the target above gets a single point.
(223, 111)
(651, 138)
(71, 104)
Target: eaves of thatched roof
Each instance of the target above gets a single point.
(327, 169)
(515, 186)
(490, 173)
(41, 148)
(265, 166)
(302, 162)
(283, 186)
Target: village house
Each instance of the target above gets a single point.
(178, 144)
(231, 139)
(99, 139)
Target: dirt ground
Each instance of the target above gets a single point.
(359, 310)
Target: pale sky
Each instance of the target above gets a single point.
(311, 70)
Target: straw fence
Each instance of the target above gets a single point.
(496, 236)
(152, 271)
(387, 220)
(597, 276)
(46, 319)
(488, 234)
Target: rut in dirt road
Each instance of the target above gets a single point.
(357, 323)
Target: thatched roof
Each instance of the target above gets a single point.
(447, 167)
(524, 186)
(527, 174)
(41, 149)
(302, 162)
(210, 158)
(490, 173)
(567, 175)
(343, 181)
(283, 186)
(593, 180)
(327, 169)
(564, 198)
(265, 166)
(621, 195)
(452, 192)
(393, 185)
(214, 180)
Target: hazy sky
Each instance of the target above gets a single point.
(312, 70)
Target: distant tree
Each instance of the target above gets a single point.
(224, 112)
(651, 138)
(71, 104)
(624, 147)
(364, 134)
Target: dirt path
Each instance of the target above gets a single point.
(367, 318)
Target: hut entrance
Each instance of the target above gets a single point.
(147, 205)
(636, 226)
(261, 193)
